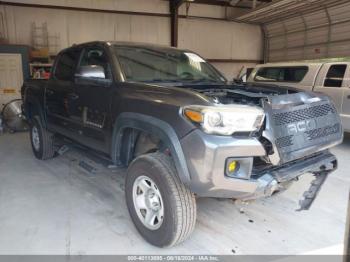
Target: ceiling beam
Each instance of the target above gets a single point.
(174, 20)
(224, 2)
(227, 3)
(81, 9)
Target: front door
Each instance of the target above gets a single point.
(94, 99)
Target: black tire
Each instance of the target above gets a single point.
(178, 201)
(46, 149)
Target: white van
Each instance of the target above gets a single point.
(329, 77)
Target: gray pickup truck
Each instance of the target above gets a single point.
(181, 128)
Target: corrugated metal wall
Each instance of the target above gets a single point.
(68, 27)
(213, 39)
(222, 40)
(320, 34)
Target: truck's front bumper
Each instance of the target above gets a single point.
(206, 157)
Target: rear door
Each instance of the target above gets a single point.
(331, 82)
(59, 94)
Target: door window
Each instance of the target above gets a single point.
(335, 75)
(65, 66)
(96, 57)
(281, 74)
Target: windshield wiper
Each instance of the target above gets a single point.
(162, 80)
(203, 80)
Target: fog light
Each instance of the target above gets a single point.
(238, 167)
(232, 166)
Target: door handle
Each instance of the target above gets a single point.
(49, 92)
(72, 96)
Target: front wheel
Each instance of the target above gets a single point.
(42, 140)
(161, 207)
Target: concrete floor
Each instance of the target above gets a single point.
(54, 207)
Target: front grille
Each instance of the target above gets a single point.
(300, 129)
(284, 141)
(303, 114)
(322, 132)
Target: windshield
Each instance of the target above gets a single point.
(142, 64)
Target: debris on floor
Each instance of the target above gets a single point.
(63, 149)
(87, 167)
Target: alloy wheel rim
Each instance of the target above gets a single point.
(35, 138)
(148, 202)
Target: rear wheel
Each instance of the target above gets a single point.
(42, 140)
(161, 207)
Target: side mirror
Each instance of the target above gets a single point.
(237, 81)
(91, 71)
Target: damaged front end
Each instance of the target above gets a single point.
(298, 130)
(278, 179)
(301, 127)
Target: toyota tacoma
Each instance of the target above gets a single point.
(181, 128)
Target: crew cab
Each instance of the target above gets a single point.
(329, 76)
(181, 128)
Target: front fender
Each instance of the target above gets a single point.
(153, 126)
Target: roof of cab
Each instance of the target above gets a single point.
(131, 44)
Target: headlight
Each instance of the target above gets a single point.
(226, 119)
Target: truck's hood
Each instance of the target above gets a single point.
(262, 88)
(202, 94)
(242, 93)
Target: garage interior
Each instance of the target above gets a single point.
(57, 207)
